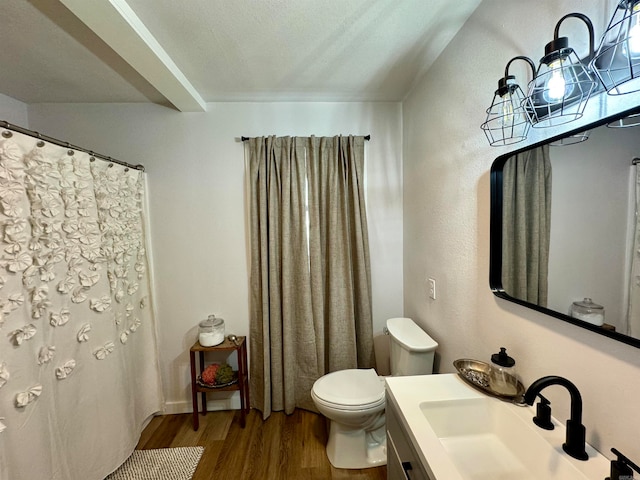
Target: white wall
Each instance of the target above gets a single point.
(13, 111)
(446, 221)
(195, 165)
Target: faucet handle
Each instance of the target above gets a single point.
(543, 414)
(621, 467)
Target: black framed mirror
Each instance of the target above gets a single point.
(564, 227)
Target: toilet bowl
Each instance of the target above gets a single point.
(354, 400)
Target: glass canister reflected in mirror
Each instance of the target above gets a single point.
(588, 311)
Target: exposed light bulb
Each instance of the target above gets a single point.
(507, 111)
(556, 87)
(633, 38)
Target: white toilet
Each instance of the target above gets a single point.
(354, 400)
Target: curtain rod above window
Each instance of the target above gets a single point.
(244, 139)
(55, 141)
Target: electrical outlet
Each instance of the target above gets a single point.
(432, 288)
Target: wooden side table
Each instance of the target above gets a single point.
(242, 383)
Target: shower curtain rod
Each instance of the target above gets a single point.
(244, 139)
(31, 133)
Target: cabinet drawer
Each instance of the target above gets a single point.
(403, 462)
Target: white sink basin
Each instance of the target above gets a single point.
(487, 441)
(463, 434)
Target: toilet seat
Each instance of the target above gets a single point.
(350, 408)
(353, 389)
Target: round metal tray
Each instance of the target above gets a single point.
(202, 383)
(476, 374)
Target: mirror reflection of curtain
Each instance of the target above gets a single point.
(633, 318)
(526, 223)
(310, 282)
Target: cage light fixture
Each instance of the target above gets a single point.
(507, 121)
(617, 61)
(562, 84)
(571, 139)
(629, 121)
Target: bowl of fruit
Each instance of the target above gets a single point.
(217, 375)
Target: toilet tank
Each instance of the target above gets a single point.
(411, 349)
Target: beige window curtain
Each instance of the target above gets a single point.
(310, 269)
(527, 225)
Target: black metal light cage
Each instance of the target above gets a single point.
(617, 61)
(507, 121)
(561, 62)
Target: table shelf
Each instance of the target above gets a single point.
(241, 385)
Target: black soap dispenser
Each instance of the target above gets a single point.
(502, 377)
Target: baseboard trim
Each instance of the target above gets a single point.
(213, 405)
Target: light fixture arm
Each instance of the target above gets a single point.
(526, 59)
(503, 84)
(587, 22)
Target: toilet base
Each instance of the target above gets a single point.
(355, 448)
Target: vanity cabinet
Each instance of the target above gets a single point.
(403, 462)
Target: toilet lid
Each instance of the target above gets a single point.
(406, 332)
(350, 387)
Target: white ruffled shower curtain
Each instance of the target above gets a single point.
(78, 356)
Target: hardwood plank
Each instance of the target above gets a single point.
(235, 452)
(165, 432)
(314, 434)
(207, 466)
(290, 448)
(148, 431)
(266, 454)
(280, 448)
(213, 426)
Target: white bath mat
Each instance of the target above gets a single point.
(159, 464)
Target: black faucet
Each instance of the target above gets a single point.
(575, 442)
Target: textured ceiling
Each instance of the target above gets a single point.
(48, 55)
(240, 50)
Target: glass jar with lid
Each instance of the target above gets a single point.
(211, 331)
(588, 311)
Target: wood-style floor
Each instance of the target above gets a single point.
(282, 447)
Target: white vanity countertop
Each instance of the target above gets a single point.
(407, 393)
